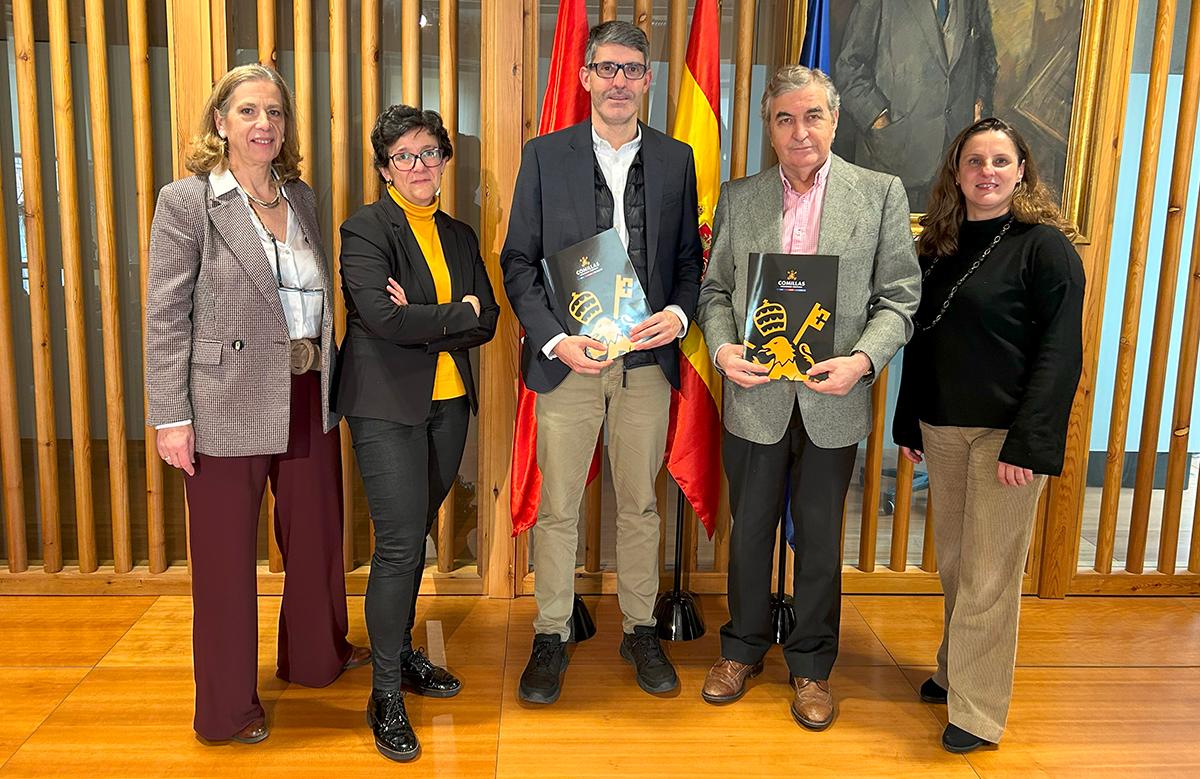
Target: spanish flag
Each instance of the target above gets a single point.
(565, 103)
(694, 437)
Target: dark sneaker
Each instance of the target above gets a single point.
(419, 675)
(654, 671)
(541, 681)
(959, 741)
(394, 736)
(932, 692)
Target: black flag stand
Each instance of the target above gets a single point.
(783, 610)
(676, 614)
(582, 626)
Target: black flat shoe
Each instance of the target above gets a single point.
(252, 734)
(394, 736)
(359, 656)
(541, 681)
(419, 675)
(644, 652)
(959, 741)
(932, 692)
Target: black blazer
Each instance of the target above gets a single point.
(554, 206)
(389, 355)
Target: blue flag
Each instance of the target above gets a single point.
(814, 54)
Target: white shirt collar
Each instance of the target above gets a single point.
(222, 180)
(599, 144)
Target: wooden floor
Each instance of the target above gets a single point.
(101, 686)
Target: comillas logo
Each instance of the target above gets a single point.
(587, 268)
(791, 284)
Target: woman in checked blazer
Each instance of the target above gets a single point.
(239, 354)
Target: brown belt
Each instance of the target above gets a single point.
(305, 355)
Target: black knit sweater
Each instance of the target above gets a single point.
(1008, 351)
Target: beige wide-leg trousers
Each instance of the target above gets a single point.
(981, 531)
(637, 406)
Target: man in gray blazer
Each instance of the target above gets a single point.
(783, 436)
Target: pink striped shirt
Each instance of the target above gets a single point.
(802, 213)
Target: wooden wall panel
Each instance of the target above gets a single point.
(11, 477)
(73, 283)
(198, 47)
(339, 134)
(1164, 310)
(39, 303)
(369, 57)
(410, 51)
(302, 37)
(448, 96)
(1139, 244)
(143, 164)
(267, 54)
(502, 59)
(109, 270)
(1108, 41)
(744, 61)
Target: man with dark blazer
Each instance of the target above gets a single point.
(912, 73)
(793, 441)
(609, 171)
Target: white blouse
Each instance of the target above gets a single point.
(292, 260)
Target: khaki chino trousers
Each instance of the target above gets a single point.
(981, 531)
(636, 405)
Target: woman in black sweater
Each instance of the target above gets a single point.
(985, 397)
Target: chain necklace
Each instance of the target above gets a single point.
(264, 203)
(954, 290)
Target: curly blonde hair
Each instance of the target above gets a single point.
(209, 150)
(1032, 200)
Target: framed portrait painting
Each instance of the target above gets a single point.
(913, 73)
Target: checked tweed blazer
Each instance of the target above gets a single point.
(216, 339)
(864, 221)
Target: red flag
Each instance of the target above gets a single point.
(566, 103)
(694, 437)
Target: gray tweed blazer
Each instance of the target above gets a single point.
(865, 222)
(216, 338)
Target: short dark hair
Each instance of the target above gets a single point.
(619, 33)
(399, 120)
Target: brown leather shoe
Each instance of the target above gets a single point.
(726, 680)
(812, 706)
(252, 734)
(359, 656)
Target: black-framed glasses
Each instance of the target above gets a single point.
(634, 71)
(405, 161)
(302, 296)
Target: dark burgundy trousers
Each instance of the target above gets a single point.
(224, 498)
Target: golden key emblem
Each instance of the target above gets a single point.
(816, 319)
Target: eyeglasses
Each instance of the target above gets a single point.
(634, 71)
(293, 297)
(404, 161)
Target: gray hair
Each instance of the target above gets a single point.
(792, 77)
(618, 33)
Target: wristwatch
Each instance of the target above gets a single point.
(869, 376)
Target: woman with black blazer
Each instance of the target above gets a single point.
(417, 299)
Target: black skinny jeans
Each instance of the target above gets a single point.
(407, 471)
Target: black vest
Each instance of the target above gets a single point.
(635, 223)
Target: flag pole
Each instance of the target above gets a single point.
(783, 609)
(676, 615)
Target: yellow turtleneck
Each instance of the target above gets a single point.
(447, 383)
